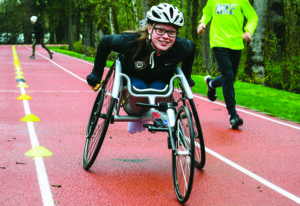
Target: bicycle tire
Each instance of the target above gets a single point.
(95, 113)
(99, 120)
(185, 148)
(200, 157)
(94, 142)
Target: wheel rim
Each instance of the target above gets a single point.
(99, 121)
(184, 158)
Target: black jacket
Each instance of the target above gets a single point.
(38, 30)
(127, 44)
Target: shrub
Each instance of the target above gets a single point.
(284, 74)
(82, 49)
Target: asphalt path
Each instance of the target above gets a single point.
(256, 165)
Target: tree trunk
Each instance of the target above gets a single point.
(255, 56)
(78, 25)
(59, 32)
(207, 54)
(115, 18)
(188, 19)
(136, 13)
(86, 34)
(145, 7)
(292, 37)
(147, 4)
(276, 25)
(88, 20)
(111, 22)
(70, 30)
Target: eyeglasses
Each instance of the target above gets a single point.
(161, 32)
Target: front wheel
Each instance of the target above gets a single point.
(96, 133)
(183, 157)
(198, 136)
(200, 158)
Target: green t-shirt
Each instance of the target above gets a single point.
(227, 20)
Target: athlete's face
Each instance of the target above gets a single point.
(161, 39)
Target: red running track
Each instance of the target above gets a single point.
(256, 165)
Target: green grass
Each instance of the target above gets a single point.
(267, 100)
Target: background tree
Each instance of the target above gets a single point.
(272, 57)
(207, 55)
(255, 59)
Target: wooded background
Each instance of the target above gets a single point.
(271, 58)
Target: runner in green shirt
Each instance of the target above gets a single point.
(226, 40)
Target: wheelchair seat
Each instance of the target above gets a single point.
(129, 101)
(150, 90)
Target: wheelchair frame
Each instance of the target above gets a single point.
(181, 141)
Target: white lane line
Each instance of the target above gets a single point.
(232, 164)
(254, 176)
(66, 70)
(251, 113)
(46, 194)
(87, 62)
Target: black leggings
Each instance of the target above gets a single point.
(39, 41)
(228, 61)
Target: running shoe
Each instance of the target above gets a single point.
(235, 122)
(51, 55)
(211, 93)
(31, 57)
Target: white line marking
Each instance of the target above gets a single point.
(62, 68)
(229, 162)
(250, 113)
(254, 176)
(46, 194)
(87, 62)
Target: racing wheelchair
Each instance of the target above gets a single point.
(172, 110)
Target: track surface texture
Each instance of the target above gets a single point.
(259, 164)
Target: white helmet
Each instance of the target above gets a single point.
(165, 13)
(33, 18)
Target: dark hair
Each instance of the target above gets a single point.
(143, 39)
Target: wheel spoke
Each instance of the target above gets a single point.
(99, 121)
(183, 161)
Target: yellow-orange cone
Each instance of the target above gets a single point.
(20, 76)
(39, 151)
(24, 97)
(22, 85)
(30, 118)
(19, 72)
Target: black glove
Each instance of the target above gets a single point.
(191, 82)
(93, 79)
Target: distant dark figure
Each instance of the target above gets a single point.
(38, 36)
